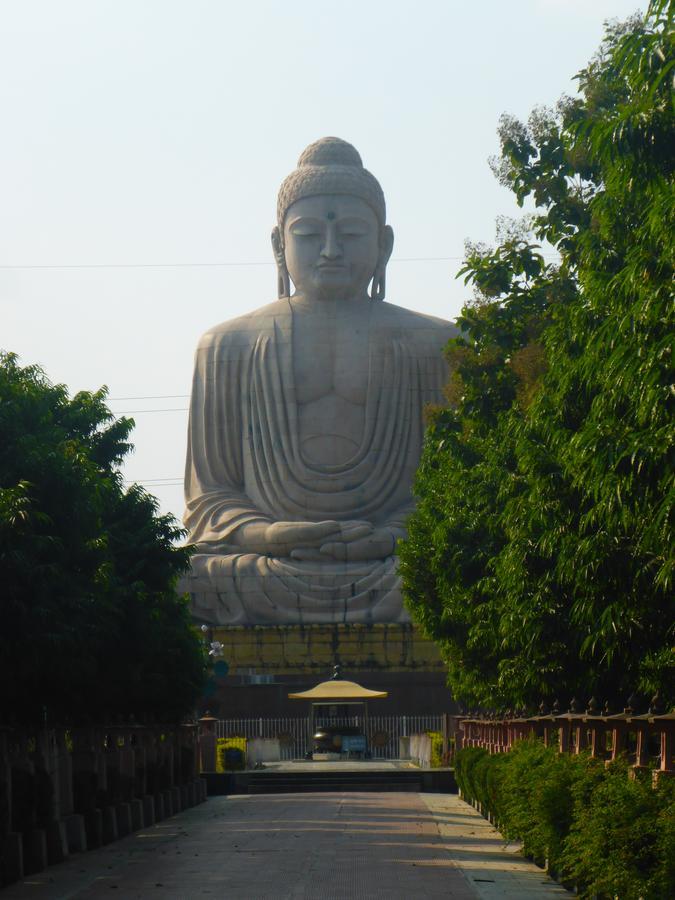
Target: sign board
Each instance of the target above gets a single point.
(354, 743)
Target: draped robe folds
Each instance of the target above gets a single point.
(245, 464)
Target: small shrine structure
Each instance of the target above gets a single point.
(335, 738)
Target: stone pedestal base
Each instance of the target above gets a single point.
(12, 865)
(262, 664)
(34, 851)
(57, 842)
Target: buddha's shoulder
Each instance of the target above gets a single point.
(414, 325)
(242, 329)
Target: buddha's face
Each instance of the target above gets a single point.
(332, 246)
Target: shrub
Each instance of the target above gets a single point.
(521, 783)
(230, 754)
(494, 792)
(465, 761)
(611, 835)
(436, 749)
(616, 845)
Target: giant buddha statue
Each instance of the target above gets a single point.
(306, 418)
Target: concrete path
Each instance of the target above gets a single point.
(341, 765)
(339, 846)
(493, 867)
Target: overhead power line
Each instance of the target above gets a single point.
(150, 397)
(134, 412)
(211, 265)
(169, 482)
(174, 479)
(198, 265)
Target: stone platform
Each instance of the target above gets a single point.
(264, 663)
(353, 776)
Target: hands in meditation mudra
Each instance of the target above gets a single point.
(306, 418)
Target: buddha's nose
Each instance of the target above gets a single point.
(331, 247)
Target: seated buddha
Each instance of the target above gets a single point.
(306, 418)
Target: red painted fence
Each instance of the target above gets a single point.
(648, 739)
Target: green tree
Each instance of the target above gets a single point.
(541, 553)
(91, 623)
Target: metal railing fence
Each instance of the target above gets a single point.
(383, 732)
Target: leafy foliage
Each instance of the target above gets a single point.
(609, 834)
(622, 843)
(91, 623)
(230, 754)
(541, 553)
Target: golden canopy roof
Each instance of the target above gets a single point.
(337, 689)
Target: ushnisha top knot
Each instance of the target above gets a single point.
(330, 151)
(330, 166)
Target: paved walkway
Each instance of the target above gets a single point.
(341, 765)
(339, 846)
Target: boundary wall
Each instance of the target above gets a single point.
(65, 791)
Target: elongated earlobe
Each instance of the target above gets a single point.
(283, 278)
(378, 289)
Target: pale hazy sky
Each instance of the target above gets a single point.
(143, 143)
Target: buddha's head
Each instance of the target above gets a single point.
(331, 237)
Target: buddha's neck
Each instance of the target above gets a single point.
(324, 305)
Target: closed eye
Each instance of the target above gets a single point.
(306, 226)
(353, 228)
(353, 232)
(303, 231)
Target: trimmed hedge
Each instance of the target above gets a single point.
(436, 749)
(611, 835)
(230, 754)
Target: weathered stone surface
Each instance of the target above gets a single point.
(93, 820)
(76, 833)
(110, 832)
(176, 800)
(167, 798)
(137, 820)
(56, 841)
(306, 418)
(312, 650)
(123, 816)
(34, 851)
(12, 857)
(149, 811)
